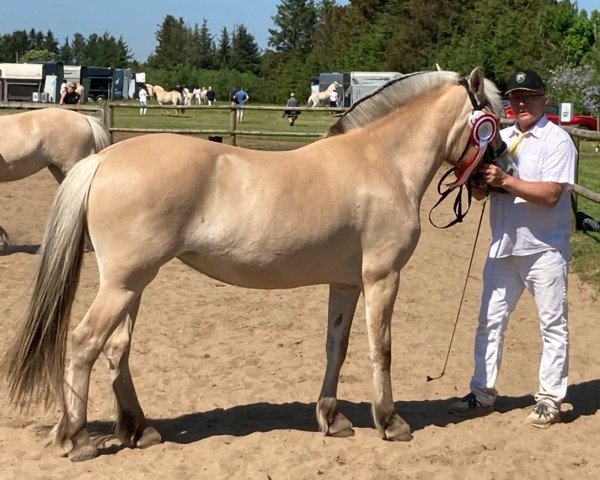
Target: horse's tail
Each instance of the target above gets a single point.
(34, 366)
(101, 138)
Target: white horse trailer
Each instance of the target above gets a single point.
(72, 73)
(354, 85)
(19, 81)
(360, 84)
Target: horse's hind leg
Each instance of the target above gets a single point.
(342, 304)
(130, 426)
(57, 173)
(380, 295)
(4, 238)
(89, 337)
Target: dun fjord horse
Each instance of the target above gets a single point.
(321, 98)
(342, 211)
(164, 98)
(51, 137)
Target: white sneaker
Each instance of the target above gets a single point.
(543, 415)
(470, 406)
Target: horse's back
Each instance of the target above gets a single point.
(230, 207)
(34, 139)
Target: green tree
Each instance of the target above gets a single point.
(65, 53)
(38, 56)
(79, 50)
(50, 44)
(107, 51)
(296, 22)
(19, 44)
(245, 54)
(223, 52)
(203, 50)
(173, 41)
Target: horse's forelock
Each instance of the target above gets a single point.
(493, 96)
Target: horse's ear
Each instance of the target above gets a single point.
(439, 69)
(476, 82)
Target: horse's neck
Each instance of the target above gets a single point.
(415, 147)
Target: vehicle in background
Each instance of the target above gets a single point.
(584, 122)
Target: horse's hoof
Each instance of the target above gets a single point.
(148, 438)
(340, 427)
(83, 453)
(397, 430)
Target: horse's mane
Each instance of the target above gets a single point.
(398, 92)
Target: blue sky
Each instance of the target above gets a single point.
(138, 20)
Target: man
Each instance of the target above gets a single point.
(210, 96)
(292, 115)
(333, 98)
(240, 98)
(529, 248)
(70, 96)
(143, 97)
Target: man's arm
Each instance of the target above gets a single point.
(545, 194)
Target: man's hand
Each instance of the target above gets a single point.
(493, 175)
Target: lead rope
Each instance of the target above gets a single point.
(458, 203)
(429, 379)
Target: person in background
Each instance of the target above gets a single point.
(143, 97)
(529, 249)
(240, 98)
(63, 86)
(210, 96)
(291, 114)
(333, 98)
(70, 96)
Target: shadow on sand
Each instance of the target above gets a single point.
(264, 417)
(11, 249)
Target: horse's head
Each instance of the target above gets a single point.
(478, 132)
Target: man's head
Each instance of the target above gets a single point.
(527, 95)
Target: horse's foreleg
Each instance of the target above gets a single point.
(342, 304)
(380, 294)
(130, 426)
(108, 310)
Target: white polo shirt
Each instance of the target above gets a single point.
(546, 154)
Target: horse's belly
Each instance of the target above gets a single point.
(285, 271)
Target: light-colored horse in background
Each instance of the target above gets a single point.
(55, 138)
(318, 99)
(81, 91)
(200, 95)
(342, 211)
(187, 96)
(164, 98)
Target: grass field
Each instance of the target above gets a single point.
(207, 118)
(585, 246)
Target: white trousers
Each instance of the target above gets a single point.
(504, 279)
